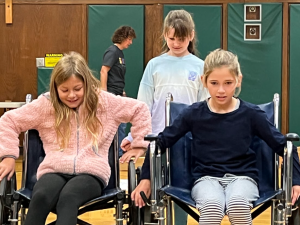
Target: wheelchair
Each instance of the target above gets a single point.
(168, 185)
(13, 203)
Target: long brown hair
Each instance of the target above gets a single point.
(184, 25)
(74, 64)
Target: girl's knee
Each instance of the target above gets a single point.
(237, 203)
(68, 200)
(238, 210)
(211, 212)
(42, 197)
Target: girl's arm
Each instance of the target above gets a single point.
(179, 127)
(145, 94)
(124, 110)
(146, 88)
(15, 121)
(167, 138)
(276, 140)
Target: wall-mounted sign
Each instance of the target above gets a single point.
(52, 58)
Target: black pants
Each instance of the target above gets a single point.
(65, 194)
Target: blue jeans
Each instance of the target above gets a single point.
(121, 136)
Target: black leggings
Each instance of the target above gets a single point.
(63, 193)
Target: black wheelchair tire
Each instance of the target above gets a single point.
(4, 214)
(6, 187)
(131, 177)
(295, 219)
(134, 211)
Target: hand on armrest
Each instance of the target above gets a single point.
(7, 167)
(133, 153)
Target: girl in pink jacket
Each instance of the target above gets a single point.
(76, 123)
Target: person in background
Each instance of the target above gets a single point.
(112, 73)
(177, 70)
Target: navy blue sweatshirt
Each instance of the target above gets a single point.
(221, 142)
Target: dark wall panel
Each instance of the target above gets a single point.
(103, 20)
(208, 30)
(43, 79)
(260, 60)
(294, 92)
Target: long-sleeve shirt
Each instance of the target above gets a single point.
(80, 156)
(180, 76)
(221, 142)
(165, 74)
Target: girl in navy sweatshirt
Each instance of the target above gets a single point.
(224, 166)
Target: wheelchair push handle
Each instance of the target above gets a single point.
(150, 137)
(292, 137)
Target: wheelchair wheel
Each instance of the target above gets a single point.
(295, 219)
(134, 211)
(4, 214)
(7, 189)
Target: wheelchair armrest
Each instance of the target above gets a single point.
(151, 137)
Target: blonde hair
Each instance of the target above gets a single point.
(184, 26)
(219, 58)
(73, 64)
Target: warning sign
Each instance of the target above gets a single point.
(52, 59)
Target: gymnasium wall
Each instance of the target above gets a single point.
(294, 90)
(36, 30)
(57, 26)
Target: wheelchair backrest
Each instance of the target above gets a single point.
(34, 154)
(181, 157)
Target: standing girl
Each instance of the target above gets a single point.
(76, 122)
(222, 127)
(176, 71)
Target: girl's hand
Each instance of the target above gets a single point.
(144, 186)
(295, 193)
(136, 153)
(125, 145)
(7, 167)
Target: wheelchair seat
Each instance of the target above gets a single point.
(35, 155)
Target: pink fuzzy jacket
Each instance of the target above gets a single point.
(79, 157)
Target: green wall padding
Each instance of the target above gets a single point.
(43, 78)
(208, 22)
(294, 104)
(103, 20)
(260, 60)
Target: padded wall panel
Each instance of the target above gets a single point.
(260, 60)
(294, 104)
(103, 20)
(208, 30)
(43, 78)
